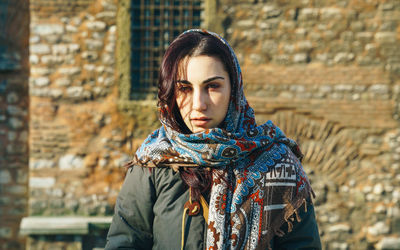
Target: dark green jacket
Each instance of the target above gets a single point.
(148, 215)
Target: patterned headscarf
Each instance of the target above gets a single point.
(265, 182)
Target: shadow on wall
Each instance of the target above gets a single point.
(14, 120)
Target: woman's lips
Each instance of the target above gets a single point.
(201, 121)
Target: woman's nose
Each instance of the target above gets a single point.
(199, 101)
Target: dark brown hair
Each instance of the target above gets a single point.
(189, 44)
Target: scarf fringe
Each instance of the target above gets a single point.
(292, 212)
(290, 219)
(279, 233)
(148, 163)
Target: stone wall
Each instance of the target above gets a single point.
(78, 138)
(14, 119)
(327, 72)
(327, 32)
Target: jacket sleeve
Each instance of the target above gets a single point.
(304, 234)
(132, 223)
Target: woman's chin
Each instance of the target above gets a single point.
(199, 129)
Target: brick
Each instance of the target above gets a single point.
(69, 71)
(245, 24)
(40, 49)
(357, 26)
(343, 88)
(109, 81)
(12, 136)
(4, 201)
(33, 59)
(34, 39)
(74, 47)
(41, 163)
(41, 71)
(17, 189)
(41, 182)
(22, 176)
(379, 89)
(96, 26)
(388, 243)
(75, 92)
(300, 58)
(108, 59)
(106, 15)
(112, 30)
(16, 111)
(12, 98)
(343, 57)
(5, 177)
(50, 59)
(89, 67)
(63, 82)
(270, 11)
(90, 55)
(41, 81)
(69, 161)
(330, 13)
(109, 6)
(71, 28)
(386, 6)
(15, 123)
(304, 45)
(378, 228)
(110, 47)
(39, 92)
(386, 37)
(289, 48)
(347, 36)
(14, 148)
(60, 49)
(364, 36)
(5, 232)
(308, 14)
(47, 29)
(56, 93)
(92, 44)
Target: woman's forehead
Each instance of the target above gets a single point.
(197, 65)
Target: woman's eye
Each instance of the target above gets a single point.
(183, 88)
(213, 86)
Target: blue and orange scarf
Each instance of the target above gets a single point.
(259, 162)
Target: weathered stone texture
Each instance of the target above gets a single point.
(321, 32)
(79, 139)
(14, 103)
(326, 72)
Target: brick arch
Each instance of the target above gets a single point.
(328, 147)
(333, 162)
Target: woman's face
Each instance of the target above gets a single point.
(203, 94)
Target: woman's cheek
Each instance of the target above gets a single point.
(184, 107)
(181, 101)
(217, 97)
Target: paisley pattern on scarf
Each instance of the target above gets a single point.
(260, 163)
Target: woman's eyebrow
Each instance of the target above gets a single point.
(205, 81)
(213, 78)
(183, 81)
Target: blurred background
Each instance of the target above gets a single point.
(77, 97)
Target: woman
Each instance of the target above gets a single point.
(209, 150)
